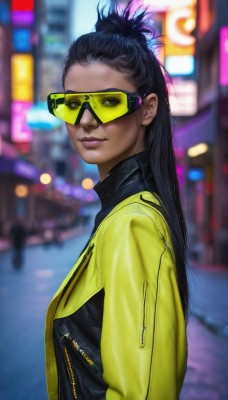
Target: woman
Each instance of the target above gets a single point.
(116, 327)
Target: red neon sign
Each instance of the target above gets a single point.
(25, 5)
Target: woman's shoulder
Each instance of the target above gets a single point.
(140, 204)
(135, 220)
(141, 209)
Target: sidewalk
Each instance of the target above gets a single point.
(207, 330)
(38, 239)
(208, 296)
(65, 234)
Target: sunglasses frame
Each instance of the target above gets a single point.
(132, 102)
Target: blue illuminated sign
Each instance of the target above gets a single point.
(22, 39)
(196, 174)
(4, 13)
(39, 118)
(180, 65)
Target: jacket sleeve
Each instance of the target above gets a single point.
(143, 342)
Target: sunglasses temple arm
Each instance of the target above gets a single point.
(50, 106)
(53, 104)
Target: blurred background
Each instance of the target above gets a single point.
(41, 177)
(46, 195)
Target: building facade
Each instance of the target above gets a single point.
(34, 39)
(203, 140)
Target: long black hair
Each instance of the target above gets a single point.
(121, 41)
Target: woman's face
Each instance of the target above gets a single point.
(104, 144)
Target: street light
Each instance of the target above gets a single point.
(197, 150)
(21, 191)
(45, 179)
(87, 184)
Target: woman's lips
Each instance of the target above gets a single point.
(91, 142)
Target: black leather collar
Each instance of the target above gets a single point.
(128, 177)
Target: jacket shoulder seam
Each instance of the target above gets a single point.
(137, 211)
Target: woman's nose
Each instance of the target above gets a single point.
(87, 119)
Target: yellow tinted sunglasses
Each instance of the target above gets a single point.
(105, 106)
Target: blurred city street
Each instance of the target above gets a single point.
(46, 196)
(26, 292)
(24, 297)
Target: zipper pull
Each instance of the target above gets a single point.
(63, 331)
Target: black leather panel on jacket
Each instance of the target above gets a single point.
(77, 337)
(77, 349)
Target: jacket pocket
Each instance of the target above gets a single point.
(80, 369)
(79, 350)
(144, 322)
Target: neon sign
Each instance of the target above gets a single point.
(179, 65)
(20, 130)
(25, 5)
(183, 97)
(4, 13)
(179, 25)
(22, 77)
(22, 39)
(223, 71)
(22, 18)
(161, 5)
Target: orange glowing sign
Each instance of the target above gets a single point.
(22, 77)
(180, 22)
(22, 92)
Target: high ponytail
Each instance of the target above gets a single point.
(123, 25)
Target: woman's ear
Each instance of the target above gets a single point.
(150, 106)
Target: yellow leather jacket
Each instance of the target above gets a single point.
(143, 338)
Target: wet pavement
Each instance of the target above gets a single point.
(209, 296)
(207, 372)
(25, 294)
(24, 297)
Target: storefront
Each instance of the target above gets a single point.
(16, 179)
(197, 139)
(203, 143)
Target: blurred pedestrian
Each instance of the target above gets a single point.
(18, 236)
(116, 327)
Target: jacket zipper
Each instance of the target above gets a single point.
(144, 319)
(70, 372)
(66, 335)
